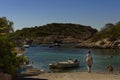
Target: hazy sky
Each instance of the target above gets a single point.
(30, 13)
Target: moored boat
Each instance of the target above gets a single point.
(55, 45)
(26, 46)
(65, 64)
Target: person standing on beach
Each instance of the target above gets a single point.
(110, 68)
(89, 61)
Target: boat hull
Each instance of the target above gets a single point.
(62, 65)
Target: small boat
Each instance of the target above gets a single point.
(26, 46)
(55, 45)
(65, 64)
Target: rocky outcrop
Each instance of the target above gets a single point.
(104, 43)
(49, 40)
(70, 39)
(4, 76)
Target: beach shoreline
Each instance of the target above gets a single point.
(77, 76)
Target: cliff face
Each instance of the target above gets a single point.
(47, 40)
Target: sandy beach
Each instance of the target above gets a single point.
(77, 76)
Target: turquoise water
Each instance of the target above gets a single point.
(42, 56)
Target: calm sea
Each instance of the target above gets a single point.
(42, 56)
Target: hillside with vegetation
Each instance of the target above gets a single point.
(111, 31)
(107, 37)
(64, 32)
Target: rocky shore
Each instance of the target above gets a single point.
(4, 76)
(104, 43)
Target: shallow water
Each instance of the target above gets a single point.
(42, 56)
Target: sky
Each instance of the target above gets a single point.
(30, 13)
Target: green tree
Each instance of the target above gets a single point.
(6, 26)
(7, 56)
(8, 62)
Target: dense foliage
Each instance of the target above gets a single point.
(7, 56)
(6, 26)
(54, 29)
(8, 60)
(111, 31)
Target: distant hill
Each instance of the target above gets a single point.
(65, 32)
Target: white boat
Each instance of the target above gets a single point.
(26, 46)
(64, 64)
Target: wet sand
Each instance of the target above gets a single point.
(77, 76)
